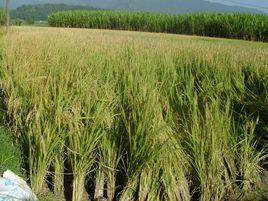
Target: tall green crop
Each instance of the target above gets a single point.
(226, 25)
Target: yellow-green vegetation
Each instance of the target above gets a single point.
(225, 25)
(137, 116)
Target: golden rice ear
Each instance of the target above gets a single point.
(157, 116)
(100, 199)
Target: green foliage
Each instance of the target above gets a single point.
(30, 21)
(17, 22)
(10, 155)
(2, 17)
(42, 11)
(234, 25)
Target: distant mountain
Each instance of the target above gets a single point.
(167, 6)
(256, 4)
(42, 11)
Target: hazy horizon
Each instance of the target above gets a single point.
(260, 4)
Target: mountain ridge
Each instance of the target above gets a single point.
(165, 6)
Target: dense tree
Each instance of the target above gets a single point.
(42, 11)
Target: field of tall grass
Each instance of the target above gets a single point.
(224, 25)
(137, 116)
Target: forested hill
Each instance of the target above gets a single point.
(166, 6)
(42, 11)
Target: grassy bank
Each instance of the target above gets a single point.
(225, 25)
(137, 116)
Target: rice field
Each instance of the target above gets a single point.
(137, 116)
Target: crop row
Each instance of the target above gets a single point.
(137, 118)
(226, 25)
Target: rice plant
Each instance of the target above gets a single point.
(136, 116)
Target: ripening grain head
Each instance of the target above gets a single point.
(147, 116)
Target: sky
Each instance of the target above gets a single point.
(257, 4)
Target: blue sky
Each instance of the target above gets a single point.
(258, 4)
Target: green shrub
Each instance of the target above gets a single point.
(2, 17)
(17, 22)
(30, 21)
